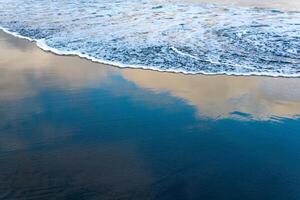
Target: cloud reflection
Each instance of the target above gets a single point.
(220, 96)
(214, 97)
(22, 63)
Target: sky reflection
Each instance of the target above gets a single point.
(26, 70)
(72, 129)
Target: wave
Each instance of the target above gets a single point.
(259, 42)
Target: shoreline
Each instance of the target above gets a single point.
(212, 96)
(44, 47)
(75, 127)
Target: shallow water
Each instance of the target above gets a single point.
(72, 129)
(177, 36)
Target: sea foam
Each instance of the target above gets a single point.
(177, 37)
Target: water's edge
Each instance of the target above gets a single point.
(43, 46)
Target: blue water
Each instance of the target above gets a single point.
(177, 37)
(71, 130)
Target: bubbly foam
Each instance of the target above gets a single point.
(177, 37)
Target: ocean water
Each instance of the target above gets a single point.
(166, 36)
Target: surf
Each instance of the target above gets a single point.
(179, 37)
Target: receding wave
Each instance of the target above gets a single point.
(175, 37)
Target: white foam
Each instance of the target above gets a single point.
(180, 38)
(42, 45)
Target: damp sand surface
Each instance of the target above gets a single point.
(74, 129)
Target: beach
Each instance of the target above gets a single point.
(75, 129)
(220, 38)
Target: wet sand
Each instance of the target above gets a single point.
(74, 129)
(213, 96)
